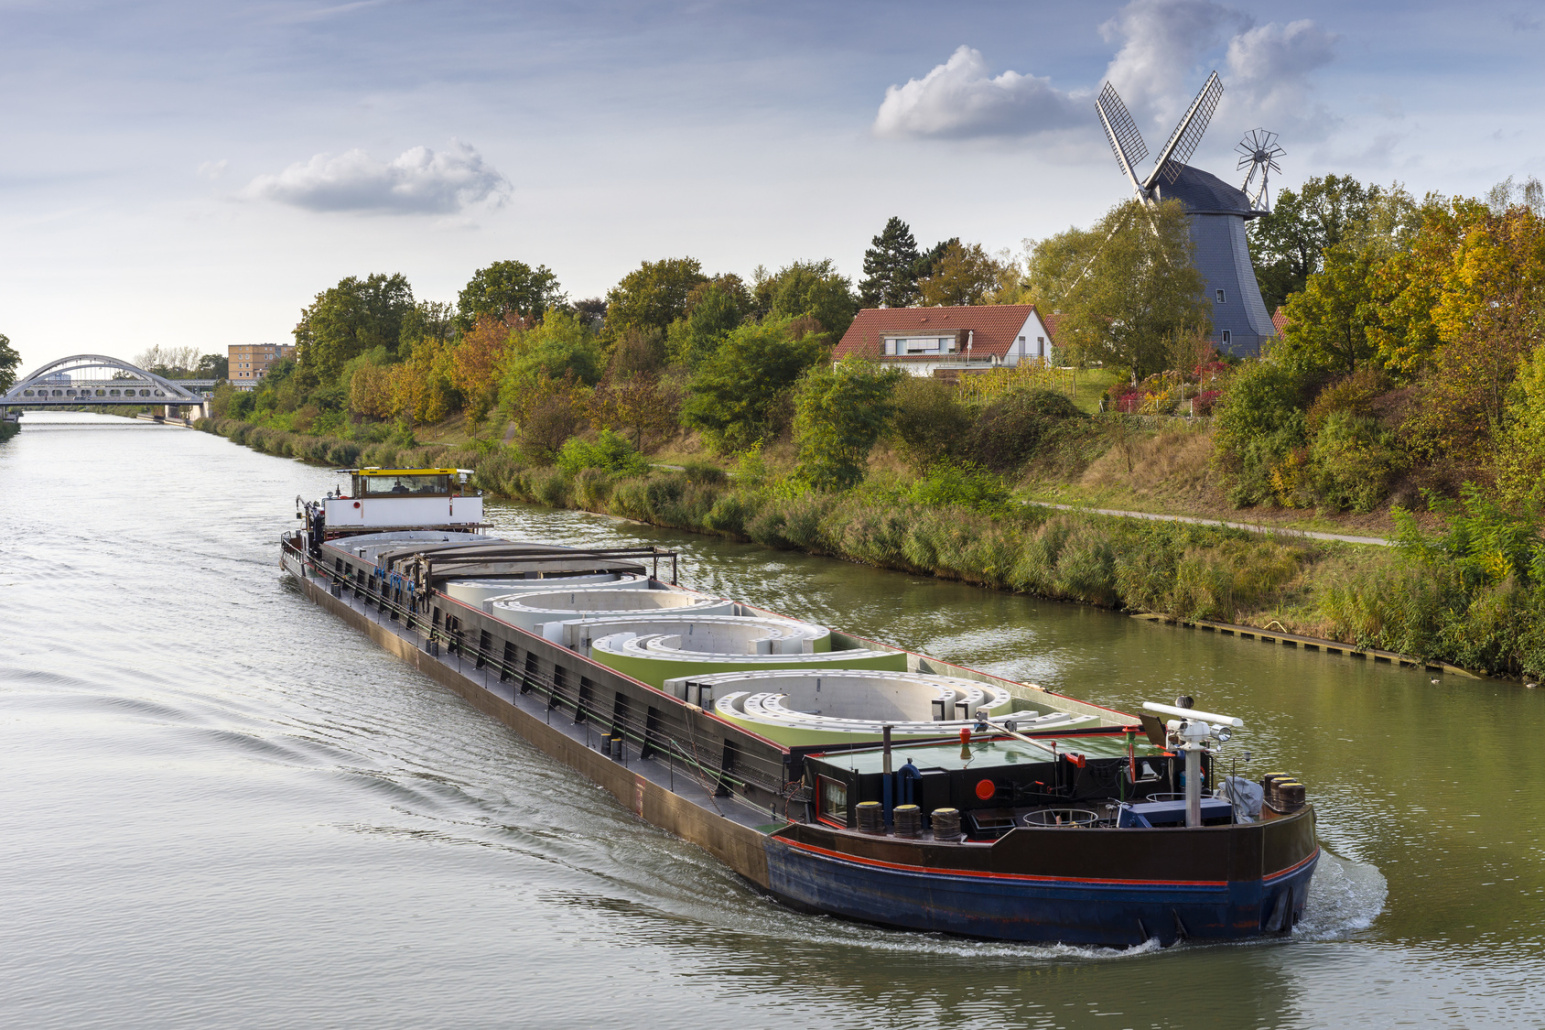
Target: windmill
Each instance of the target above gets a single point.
(1258, 151)
(1216, 211)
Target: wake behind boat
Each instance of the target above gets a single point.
(839, 774)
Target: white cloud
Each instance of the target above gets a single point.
(418, 181)
(960, 98)
(1163, 43)
(213, 169)
(1164, 49)
(1269, 69)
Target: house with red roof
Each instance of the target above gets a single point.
(949, 341)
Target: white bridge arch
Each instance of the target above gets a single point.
(110, 381)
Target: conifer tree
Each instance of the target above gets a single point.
(890, 268)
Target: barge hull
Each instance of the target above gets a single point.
(737, 846)
(1034, 909)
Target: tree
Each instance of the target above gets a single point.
(840, 411)
(925, 264)
(890, 268)
(1288, 243)
(736, 396)
(547, 412)
(1140, 289)
(350, 318)
(1489, 316)
(9, 361)
(563, 346)
(652, 295)
(694, 339)
(507, 291)
(475, 362)
(170, 362)
(428, 320)
(808, 288)
(962, 275)
(640, 351)
(1328, 320)
(213, 366)
(1056, 264)
(640, 404)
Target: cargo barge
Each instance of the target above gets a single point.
(838, 774)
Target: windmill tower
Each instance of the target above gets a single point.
(1217, 211)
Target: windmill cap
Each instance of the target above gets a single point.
(1204, 193)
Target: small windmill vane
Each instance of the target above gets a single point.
(1258, 151)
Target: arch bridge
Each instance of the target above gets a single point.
(91, 379)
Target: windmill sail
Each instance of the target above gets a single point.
(1126, 141)
(1188, 134)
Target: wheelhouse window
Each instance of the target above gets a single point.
(402, 485)
(831, 801)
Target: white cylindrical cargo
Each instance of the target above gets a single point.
(531, 610)
(804, 706)
(653, 658)
(479, 592)
(740, 634)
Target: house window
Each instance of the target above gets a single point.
(1220, 297)
(1227, 338)
(890, 346)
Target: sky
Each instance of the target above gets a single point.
(193, 173)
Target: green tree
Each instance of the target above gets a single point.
(840, 411)
(812, 288)
(927, 262)
(962, 275)
(653, 295)
(213, 366)
(1287, 244)
(694, 339)
(9, 360)
(890, 268)
(351, 318)
(1140, 290)
(1056, 264)
(508, 290)
(428, 320)
(562, 347)
(737, 394)
(1328, 320)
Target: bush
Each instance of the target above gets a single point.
(841, 412)
(1013, 426)
(960, 485)
(929, 422)
(608, 452)
(1260, 422)
(1353, 461)
(703, 473)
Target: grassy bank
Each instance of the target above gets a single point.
(1368, 597)
(8, 430)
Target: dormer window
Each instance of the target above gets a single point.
(1220, 297)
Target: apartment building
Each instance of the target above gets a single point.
(250, 362)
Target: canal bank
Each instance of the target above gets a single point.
(1185, 572)
(225, 807)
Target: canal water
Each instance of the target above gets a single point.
(220, 806)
